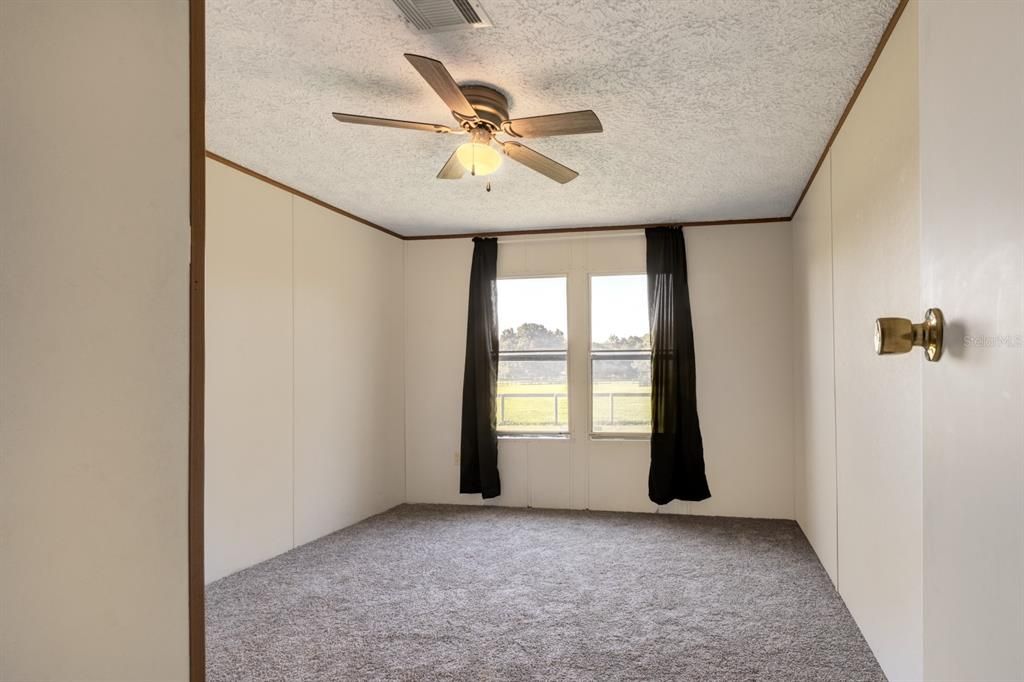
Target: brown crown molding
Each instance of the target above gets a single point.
(287, 188)
(501, 233)
(196, 337)
(853, 99)
(597, 228)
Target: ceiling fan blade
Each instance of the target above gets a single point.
(444, 85)
(538, 162)
(569, 123)
(392, 123)
(452, 170)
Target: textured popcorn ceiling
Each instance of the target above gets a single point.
(712, 109)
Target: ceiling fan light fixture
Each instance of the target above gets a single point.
(481, 112)
(478, 158)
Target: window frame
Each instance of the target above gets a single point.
(541, 435)
(604, 435)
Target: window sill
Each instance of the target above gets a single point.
(621, 436)
(534, 436)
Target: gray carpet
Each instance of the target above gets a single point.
(468, 593)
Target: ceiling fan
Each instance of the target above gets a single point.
(482, 113)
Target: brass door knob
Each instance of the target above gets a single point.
(900, 335)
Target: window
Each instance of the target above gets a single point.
(620, 355)
(533, 384)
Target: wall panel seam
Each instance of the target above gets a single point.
(835, 402)
(405, 379)
(292, 242)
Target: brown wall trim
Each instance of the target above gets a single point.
(466, 235)
(196, 336)
(853, 98)
(280, 185)
(599, 228)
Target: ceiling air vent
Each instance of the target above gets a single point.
(434, 16)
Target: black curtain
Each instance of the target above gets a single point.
(479, 458)
(677, 450)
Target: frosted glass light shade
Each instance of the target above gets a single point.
(484, 157)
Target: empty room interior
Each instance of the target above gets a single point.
(512, 340)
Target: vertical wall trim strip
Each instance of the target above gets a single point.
(292, 240)
(835, 392)
(405, 375)
(196, 341)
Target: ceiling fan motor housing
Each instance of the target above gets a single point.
(490, 105)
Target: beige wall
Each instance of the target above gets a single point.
(94, 341)
(859, 465)
(876, 254)
(249, 380)
(305, 375)
(349, 393)
(741, 295)
(814, 371)
(972, 258)
(921, 204)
